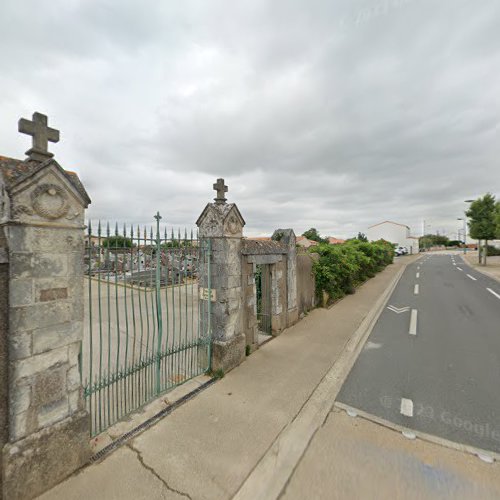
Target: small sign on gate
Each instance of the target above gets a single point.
(205, 295)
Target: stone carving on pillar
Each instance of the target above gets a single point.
(47, 436)
(40, 131)
(221, 219)
(223, 223)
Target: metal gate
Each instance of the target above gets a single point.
(263, 292)
(147, 329)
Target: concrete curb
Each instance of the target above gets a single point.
(271, 474)
(420, 435)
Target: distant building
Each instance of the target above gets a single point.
(335, 241)
(398, 234)
(302, 241)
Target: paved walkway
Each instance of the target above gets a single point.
(229, 434)
(491, 269)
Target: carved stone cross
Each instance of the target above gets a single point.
(221, 188)
(41, 134)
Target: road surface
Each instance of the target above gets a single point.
(432, 362)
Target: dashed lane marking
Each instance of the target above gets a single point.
(472, 277)
(494, 293)
(416, 289)
(413, 322)
(459, 268)
(406, 407)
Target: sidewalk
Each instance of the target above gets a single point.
(492, 268)
(207, 448)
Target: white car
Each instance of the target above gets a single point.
(401, 251)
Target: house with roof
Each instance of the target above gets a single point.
(303, 242)
(394, 232)
(335, 241)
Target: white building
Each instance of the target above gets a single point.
(399, 234)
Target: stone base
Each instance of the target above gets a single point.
(229, 354)
(43, 459)
(293, 317)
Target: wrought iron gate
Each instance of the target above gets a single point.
(263, 292)
(148, 327)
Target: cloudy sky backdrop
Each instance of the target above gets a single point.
(336, 114)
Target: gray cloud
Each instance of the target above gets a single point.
(333, 114)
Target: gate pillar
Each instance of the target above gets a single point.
(222, 223)
(44, 434)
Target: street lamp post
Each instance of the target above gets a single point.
(465, 233)
(465, 230)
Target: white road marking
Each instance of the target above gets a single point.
(372, 345)
(398, 310)
(454, 264)
(459, 268)
(418, 275)
(415, 290)
(413, 322)
(494, 293)
(472, 277)
(406, 407)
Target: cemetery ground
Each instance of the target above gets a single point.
(269, 429)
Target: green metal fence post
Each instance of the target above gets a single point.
(158, 304)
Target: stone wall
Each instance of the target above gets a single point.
(306, 286)
(249, 304)
(4, 360)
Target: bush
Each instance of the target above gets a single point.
(493, 251)
(341, 268)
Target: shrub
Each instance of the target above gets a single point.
(492, 251)
(340, 268)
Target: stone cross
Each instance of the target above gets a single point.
(41, 134)
(221, 188)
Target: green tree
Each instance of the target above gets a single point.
(497, 219)
(362, 237)
(482, 216)
(432, 240)
(312, 234)
(117, 242)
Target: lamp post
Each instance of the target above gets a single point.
(465, 232)
(465, 229)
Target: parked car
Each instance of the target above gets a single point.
(401, 251)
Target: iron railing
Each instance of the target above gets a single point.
(147, 330)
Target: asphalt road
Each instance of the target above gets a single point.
(435, 366)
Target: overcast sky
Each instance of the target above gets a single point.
(334, 114)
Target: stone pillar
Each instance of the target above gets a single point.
(222, 223)
(41, 270)
(287, 236)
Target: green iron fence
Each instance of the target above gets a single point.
(148, 328)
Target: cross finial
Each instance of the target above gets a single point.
(221, 188)
(158, 216)
(41, 134)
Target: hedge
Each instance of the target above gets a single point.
(340, 268)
